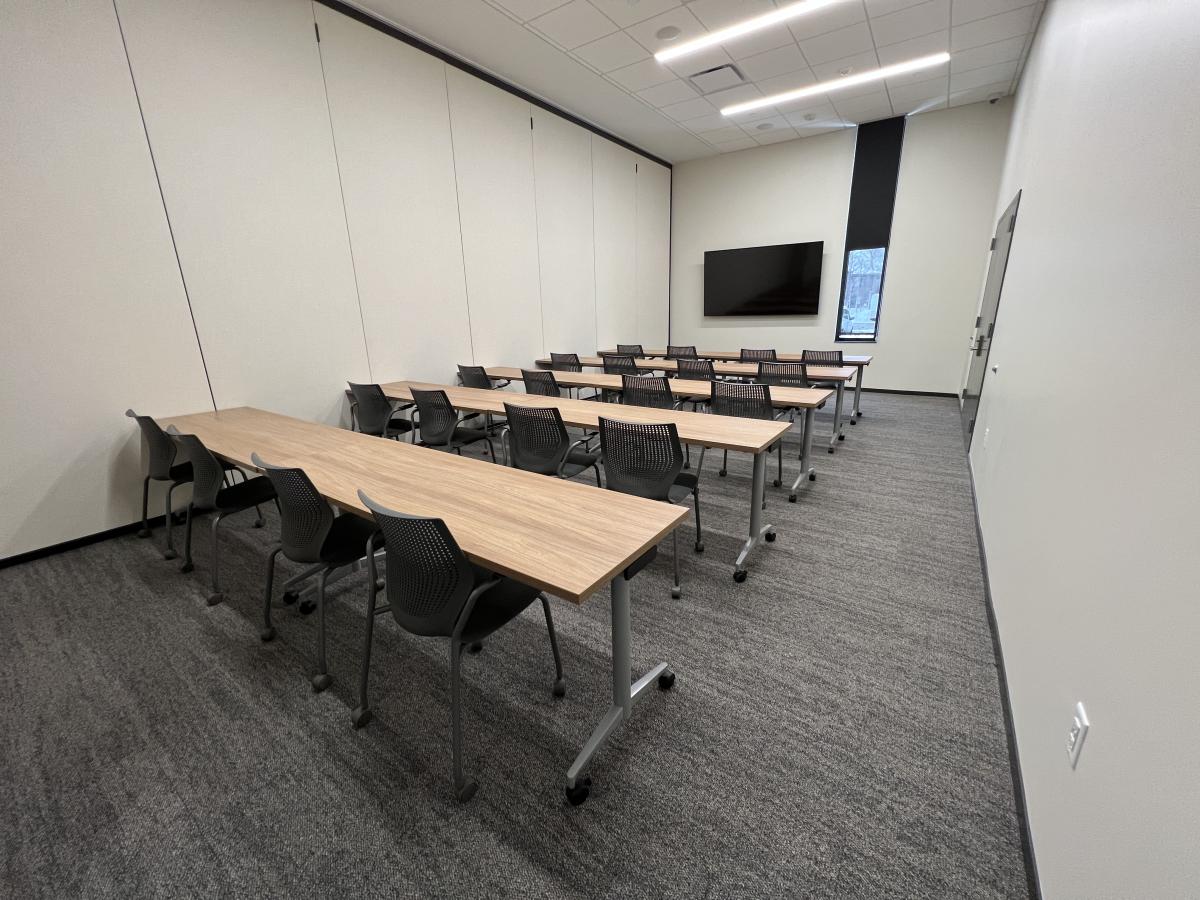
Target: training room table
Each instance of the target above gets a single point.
(856, 362)
(836, 375)
(806, 400)
(561, 537)
(753, 436)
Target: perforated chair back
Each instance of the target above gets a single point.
(161, 450)
(647, 390)
(785, 374)
(373, 409)
(737, 398)
(538, 440)
(822, 357)
(208, 476)
(304, 516)
(438, 416)
(695, 369)
(678, 351)
(540, 381)
(615, 364)
(428, 577)
(631, 350)
(475, 377)
(565, 362)
(640, 458)
(756, 355)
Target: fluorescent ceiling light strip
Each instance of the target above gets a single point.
(827, 87)
(748, 27)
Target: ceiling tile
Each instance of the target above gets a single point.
(831, 18)
(976, 95)
(625, 13)
(908, 97)
(789, 82)
(768, 123)
(867, 108)
(738, 94)
(700, 61)
(744, 143)
(688, 109)
(973, 78)
(776, 136)
(990, 30)
(837, 44)
(860, 62)
(821, 110)
(926, 44)
(987, 55)
(529, 9)
(772, 63)
(665, 94)
(644, 32)
(710, 122)
(760, 42)
(612, 52)
(970, 10)
(644, 74)
(884, 7)
(728, 133)
(912, 22)
(719, 13)
(574, 24)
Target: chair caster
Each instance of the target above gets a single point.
(186, 567)
(676, 593)
(475, 647)
(307, 607)
(854, 421)
(791, 498)
(215, 598)
(170, 554)
(259, 523)
(699, 546)
(841, 437)
(770, 536)
(289, 598)
(267, 635)
(739, 576)
(321, 682)
(776, 483)
(686, 465)
(466, 792)
(143, 532)
(666, 681)
(577, 794)
(560, 687)
(812, 476)
(721, 473)
(830, 449)
(361, 717)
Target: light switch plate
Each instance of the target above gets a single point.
(1079, 730)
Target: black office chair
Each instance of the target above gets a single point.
(540, 382)
(616, 364)
(631, 350)
(536, 440)
(691, 369)
(679, 351)
(565, 362)
(831, 358)
(211, 493)
(439, 426)
(433, 590)
(477, 377)
(783, 374)
(310, 534)
(646, 460)
(757, 355)
(745, 401)
(161, 451)
(371, 412)
(653, 391)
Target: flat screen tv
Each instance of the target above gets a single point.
(780, 280)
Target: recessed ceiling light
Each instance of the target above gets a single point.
(826, 87)
(749, 26)
(764, 126)
(846, 71)
(808, 117)
(667, 33)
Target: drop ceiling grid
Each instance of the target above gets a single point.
(989, 41)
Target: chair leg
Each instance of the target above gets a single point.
(216, 596)
(687, 456)
(676, 590)
(598, 484)
(258, 521)
(322, 679)
(144, 531)
(463, 789)
(491, 450)
(362, 714)
(169, 552)
(268, 630)
(187, 542)
(699, 533)
(724, 463)
(779, 461)
(560, 683)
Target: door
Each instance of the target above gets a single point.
(985, 323)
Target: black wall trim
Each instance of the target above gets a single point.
(392, 31)
(75, 543)
(1014, 761)
(873, 390)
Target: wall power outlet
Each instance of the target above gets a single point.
(1079, 730)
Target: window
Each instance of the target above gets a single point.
(858, 317)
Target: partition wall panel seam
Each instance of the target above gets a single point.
(537, 233)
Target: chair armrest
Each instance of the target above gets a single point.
(585, 441)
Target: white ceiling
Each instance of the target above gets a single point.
(594, 58)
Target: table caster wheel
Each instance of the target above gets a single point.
(214, 599)
(307, 607)
(577, 794)
(170, 554)
(841, 437)
(289, 598)
(259, 523)
(699, 546)
(770, 536)
(186, 567)
(776, 482)
(721, 473)
(267, 635)
(466, 792)
(830, 449)
(360, 718)
(321, 682)
(666, 681)
(739, 576)
(475, 648)
(854, 421)
(143, 532)
(791, 498)
(676, 593)
(812, 476)
(560, 688)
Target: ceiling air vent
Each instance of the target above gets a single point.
(717, 79)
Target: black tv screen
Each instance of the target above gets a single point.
(780, 280)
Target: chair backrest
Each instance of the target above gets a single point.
(565, 362)
(438, 416)
(540, 381)
(646, 390)
(538, 440)
(475, 377)
(372, 408)
(631, 350)
(640, 458)
(615, 364)
(678, 351)
(428, 577)
(208, 476)
(784, 374)
(160, 448)
(695, 369)
(738, 398)
(304, 516)
(756, 355)
(822, 357)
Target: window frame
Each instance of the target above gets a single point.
(873, 337)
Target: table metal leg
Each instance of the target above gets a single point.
(623, 693)
(758, 530)
(837, 417)
(856, 413)
(807, 469)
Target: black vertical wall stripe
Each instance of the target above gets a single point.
(873, 187)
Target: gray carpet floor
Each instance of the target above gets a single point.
(835, 730)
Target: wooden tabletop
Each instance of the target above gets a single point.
(561, 536)
(735, 356)
(741, 370)
(698, 429)
(781, 397)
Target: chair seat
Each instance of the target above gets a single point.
(684, 486)
(347, 540)
(496, 607)
(579, 460)
(463, 436)
(245, 494)
(399, 423)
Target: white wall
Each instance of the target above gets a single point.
(1085, 468)
(614, 198)
(800, 191)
